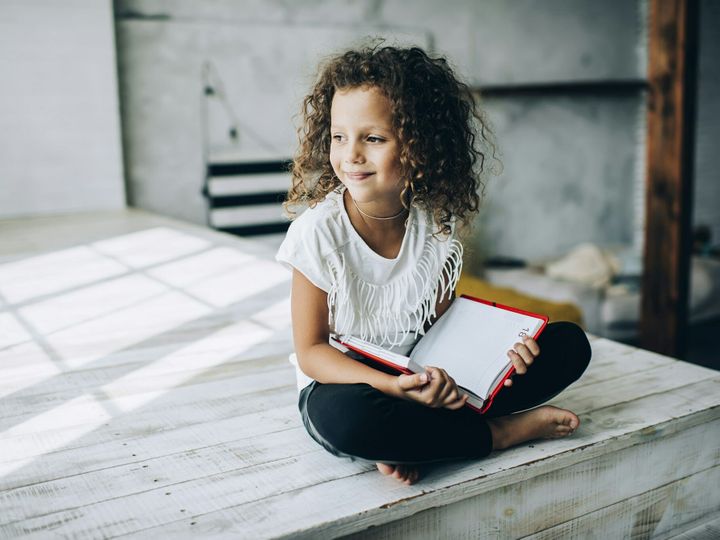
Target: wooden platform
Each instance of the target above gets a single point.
(145, 391)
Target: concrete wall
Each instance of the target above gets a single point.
(572, 162)
(707, 134)
(59, 117)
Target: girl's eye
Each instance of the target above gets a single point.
(337, 138)
(374, 139)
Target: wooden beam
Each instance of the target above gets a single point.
(671, 112)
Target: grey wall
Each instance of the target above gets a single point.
(59, 116)
(707, 134)
(570, 175)
(572, 161)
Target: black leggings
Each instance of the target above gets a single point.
(357, 421)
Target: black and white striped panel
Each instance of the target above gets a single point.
(245, 198)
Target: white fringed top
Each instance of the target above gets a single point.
(384, 301)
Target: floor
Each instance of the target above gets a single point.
(145, 391)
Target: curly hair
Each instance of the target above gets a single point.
(435, 117)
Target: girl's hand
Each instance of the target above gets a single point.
(433, 388)
(522, 356)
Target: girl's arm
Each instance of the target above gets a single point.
(316, 357)
(324, 363)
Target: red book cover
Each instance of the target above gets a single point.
(455, 338)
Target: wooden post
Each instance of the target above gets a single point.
(671, 112)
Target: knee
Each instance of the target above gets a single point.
(574, 343)
(343, 415)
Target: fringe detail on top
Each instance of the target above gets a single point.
(387, 314)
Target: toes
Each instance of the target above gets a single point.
(385, 468)
(570, 420)
(415, 476)
(406, 474)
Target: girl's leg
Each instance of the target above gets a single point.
(358, 421)
(564, 355)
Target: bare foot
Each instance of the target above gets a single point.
(545, 422)
(404, 473)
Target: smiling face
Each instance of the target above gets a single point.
(365, 152)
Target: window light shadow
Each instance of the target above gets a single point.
(89, 353)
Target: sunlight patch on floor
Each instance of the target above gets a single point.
(59, 271)
(87, 342)
(151, 246)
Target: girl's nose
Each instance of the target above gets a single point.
(354, 153)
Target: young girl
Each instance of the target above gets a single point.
(388, 165)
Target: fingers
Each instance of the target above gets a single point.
(408, 382)
(449, 396)
(517, 361)
(457, 404)
(439, 390)
(447, 388)
(531, 344)
(523, 355)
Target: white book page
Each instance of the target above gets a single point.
(471, 340)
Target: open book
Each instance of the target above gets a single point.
(470, 342)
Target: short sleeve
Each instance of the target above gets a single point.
(302, 250)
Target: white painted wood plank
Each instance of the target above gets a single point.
(236, 343)
(151, 507)
(22, 442)
(451, 482)
(49, 385)
(177, 394)
(80, 305)
(151, 246)
(189, 413)
(657, 513)
(12, 332)
(372, 495)
(576, 486)
(658, 380)
(204, 265)
(67, 309)
(130, 443)
(24, 238)
(270, 312)
(250, 183)
(50, 273)
(513, 511)
(160, 472)
(612, 360)
(248, 215)
(705, 531)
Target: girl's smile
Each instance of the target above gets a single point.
(357, 176)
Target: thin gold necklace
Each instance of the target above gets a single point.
(400, 213)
